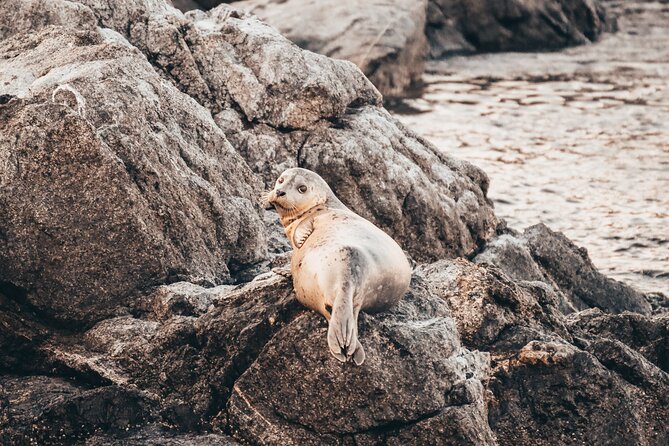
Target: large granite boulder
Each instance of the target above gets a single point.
(111, 179)
(386, 40)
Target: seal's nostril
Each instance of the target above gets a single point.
(280, 193)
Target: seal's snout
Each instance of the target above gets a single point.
(280, 193)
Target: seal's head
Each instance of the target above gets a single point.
(298, 191)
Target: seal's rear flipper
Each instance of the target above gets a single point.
(359, 354)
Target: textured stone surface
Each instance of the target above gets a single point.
(386, 40)
(111, 179)
(415, 370)
(51, 411)
(557, 380)
(190, 102)
(539, 254)
(466, 26)
(433, 205)
(287, 112)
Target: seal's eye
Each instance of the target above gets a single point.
(302, 189)
(280, 180)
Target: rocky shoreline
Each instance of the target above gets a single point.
(390, 41)
(135, 143)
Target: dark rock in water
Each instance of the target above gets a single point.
(467, 26)
(386, 40)
(548, 256)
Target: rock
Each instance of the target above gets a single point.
(540, 254)
(467, 26)
(389, 41)
(647, 335)
(284, 113)
(51, 411)
(416, 383)
(386, 40)
(155, 435)
(492, 312)
(573, 272)
(144, 190)
(184, 299)
(556, 380)
(554, 393)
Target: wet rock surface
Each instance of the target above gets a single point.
(117, 325)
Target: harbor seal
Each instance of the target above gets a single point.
(341, 263)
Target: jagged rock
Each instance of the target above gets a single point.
(416, 383)
(647, 335)
(539, 254)
(52, 411)
(467, 26)
(492, 312)
(386, 40)
(154, 435)
(554, 382)
(112, 179)
(554, 393)
(184, 299)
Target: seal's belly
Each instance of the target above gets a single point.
(346, 248)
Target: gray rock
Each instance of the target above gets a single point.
(539, 254)
(156, 435)
(112, 179)
(467, 26)
(555, 393)
(571, 269)
(386, 40)
(53, 411)
(184, 299)
(647, 335)
(434, 205)
(290, 111)
(492, 312)
(417, 382)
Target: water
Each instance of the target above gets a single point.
(577, 139)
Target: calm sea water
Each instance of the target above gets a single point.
(577, 139)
